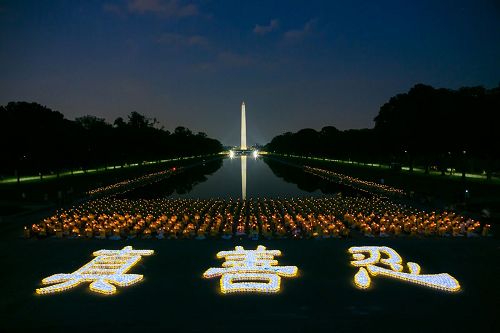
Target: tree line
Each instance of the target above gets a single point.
(426, 127)
(36, 139)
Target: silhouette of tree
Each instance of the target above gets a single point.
(92, 123)
(36, 139)
(182, 131)
(139, 121)
(119, 122)
(429, 127)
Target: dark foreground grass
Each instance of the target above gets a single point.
(173, 297)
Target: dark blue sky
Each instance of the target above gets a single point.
(295, 63)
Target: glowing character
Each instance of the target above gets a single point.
(107, 269)
(386, 256)
(250, 270)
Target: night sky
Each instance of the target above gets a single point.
(295, 63)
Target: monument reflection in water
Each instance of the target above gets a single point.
(243, 160)
(244, 177)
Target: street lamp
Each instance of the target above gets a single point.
(409, 161)
(464, 163)
(450, 163)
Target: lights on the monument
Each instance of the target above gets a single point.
(383, 255)
(231, 154)
(107, 269)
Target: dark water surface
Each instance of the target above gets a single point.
(239, 177)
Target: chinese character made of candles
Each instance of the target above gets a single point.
(383, 255)
(250, 271)
(107, 269)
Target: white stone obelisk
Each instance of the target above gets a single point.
(243, 128)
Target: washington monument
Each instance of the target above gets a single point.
(243, 128)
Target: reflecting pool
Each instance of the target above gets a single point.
(240, 177)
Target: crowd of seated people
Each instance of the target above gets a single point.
(397, 223)
(327, 217)
(354, 182)
(129, 184)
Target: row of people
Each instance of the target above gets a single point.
(308, 217)
(128, 184)
(354, 182)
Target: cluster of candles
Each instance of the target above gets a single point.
(397, 219)
(390, 265)
(254, 218)
(354, 182)
(129, 184)
(250, 271)
(109, 268)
